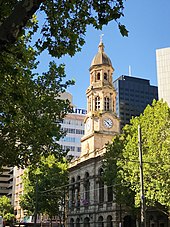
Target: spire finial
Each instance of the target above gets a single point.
(101, 46)
(101, 38)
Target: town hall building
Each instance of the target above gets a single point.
(90, 201)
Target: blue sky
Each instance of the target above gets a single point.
(148, 22)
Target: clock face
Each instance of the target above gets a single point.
(108, 123)
(88, 124)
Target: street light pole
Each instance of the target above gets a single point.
(143, 214)
(36, 202)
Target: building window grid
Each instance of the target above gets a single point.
(106, 103)
(73, 131)
(97, 103)
(72, 122)
(78, 149)
(71, 148)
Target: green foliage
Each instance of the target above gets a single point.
(6, 209)
(46, 185)
(155, 126)
(123, 30)
(64, 24)
(31, 112)
(112, 173)
(30, 109)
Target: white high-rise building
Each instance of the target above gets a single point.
(163, 73)
(73, 125)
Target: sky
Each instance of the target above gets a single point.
(148, 23)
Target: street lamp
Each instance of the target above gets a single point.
(143, 214)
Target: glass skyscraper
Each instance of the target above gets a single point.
(133, 95)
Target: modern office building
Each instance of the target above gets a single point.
(73, 125)
(18, 191)
(133, 95)
(163, 73)
(6, 182)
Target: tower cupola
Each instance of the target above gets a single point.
(101, 69)
(100, 58)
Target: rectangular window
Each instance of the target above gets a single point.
(97, 103)
(106, 103)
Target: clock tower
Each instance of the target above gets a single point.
(90, 201)
(101, 122)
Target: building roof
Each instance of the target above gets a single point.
(101, 58)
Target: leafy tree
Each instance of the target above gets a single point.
(123, 153)
(121, 189)
(6, 209)
(123, 195)
(30, 110)
(44, 187)
(65, 21)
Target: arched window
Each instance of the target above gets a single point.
(101, 187)
(109, 221)
(89, 104)
(78, 192)
(86, 199)
(114, 101)
(151, 221)
(72, 192)
(97, 103)
(106, 103)
(98, 76)
(109, 193)
(105, 76)
(100, 222)
(128, 221)
(71, 222)
(78, 222)
(86, 222)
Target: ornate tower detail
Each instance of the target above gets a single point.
(101, 122)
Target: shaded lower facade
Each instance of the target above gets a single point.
(108, 221)
(91, 202)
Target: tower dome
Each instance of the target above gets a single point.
(101, 58)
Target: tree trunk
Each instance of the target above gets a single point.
(12, 26)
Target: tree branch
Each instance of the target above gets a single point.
(11, 27)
